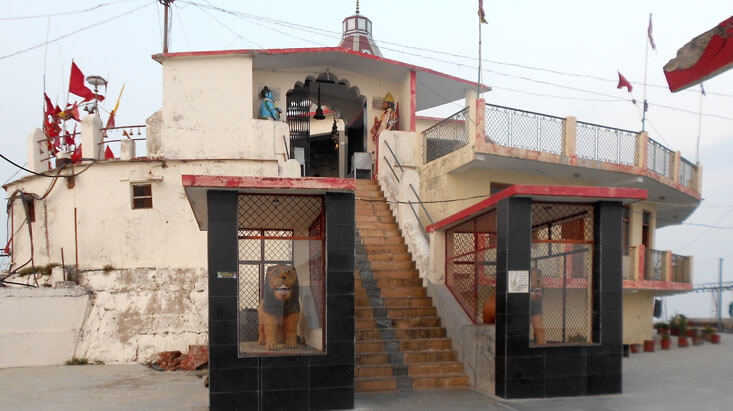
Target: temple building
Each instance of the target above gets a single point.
(407, 233)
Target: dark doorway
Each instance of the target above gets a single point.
(324, 161)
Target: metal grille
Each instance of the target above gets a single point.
(523, 129)
(688, 174)
(654, 265)
(298, 119)
(603, 143)
(447, 136)
(471, 263)
(562, 250)
(660, 159)
(271, 230)
(680, 268)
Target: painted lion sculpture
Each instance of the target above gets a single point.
(279, 309)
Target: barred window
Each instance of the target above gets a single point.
(142, 196)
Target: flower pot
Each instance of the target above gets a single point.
(715, 338)
(682, 342)
(648, 345)
(489, 310)
(690, 333)
(665, 343)
(635, 348)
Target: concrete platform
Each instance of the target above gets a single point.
(699, 378)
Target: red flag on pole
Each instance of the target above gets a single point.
(108, 154)
(649, 33)
(76, 83)
(705, 56)
(481, 14)
(76, 155)
(622, 82)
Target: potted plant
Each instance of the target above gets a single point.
(635, 348)
(662, 328)
(707, 332)
(715, 338)
(648, 345)
(696, 336)
(666, 342)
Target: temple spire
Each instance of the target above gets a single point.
(357, 34)
(357, 6)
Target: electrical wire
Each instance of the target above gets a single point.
(63, 13)
(71, 33)
(203, 10)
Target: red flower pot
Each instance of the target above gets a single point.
(666, 343)
(682, 342)
(715, 338)
(635, 348)
(648, 345)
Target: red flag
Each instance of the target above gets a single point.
(649, 33)
(481, 14)
(622, 82)
(108, 154)
(76, 155)
(705, 56)
(50, 109)
(76, 83)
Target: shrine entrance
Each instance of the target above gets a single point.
(326, 117)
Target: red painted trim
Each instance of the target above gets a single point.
(656, 285)
(313, 50)
(303, 183)
(540, 191)
(413, 99)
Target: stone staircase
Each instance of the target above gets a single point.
(400, 343)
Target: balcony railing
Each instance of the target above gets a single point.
(447, 136)
(660, 159)
(644, 264)
(607, 144)
(654, 265)
(688, 174)
(523, 129)
(680, 270)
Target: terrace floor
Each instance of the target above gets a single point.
(677, 379)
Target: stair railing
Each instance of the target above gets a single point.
(414, 192)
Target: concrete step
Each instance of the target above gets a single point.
(412, 357)
(401, 333)
(404, 292)
(385, 274)
(382, 241)
(392, 265)
(414, 344)
(435, 368)
(442, 381)
(375, 384)
(391, 283)
(371, 358)
(413, 322)
(371, 371)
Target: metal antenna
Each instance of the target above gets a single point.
(357, 6)
(167, 4)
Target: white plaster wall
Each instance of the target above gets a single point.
(40, 326)
(207, 110)
(137, 313)
(638, 311)
(110, 232)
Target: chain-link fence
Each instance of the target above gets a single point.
(654, 265)
(471, 263)
(523, 129)
(561, 276)
(660, 159)
(447, 136)
(688, 174)
(680, 268)
(272, 230)
(603, 143)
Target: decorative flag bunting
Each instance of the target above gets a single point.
(705, 56)
(649, 33)
(481, 14)
(622, 82)
(76, 155)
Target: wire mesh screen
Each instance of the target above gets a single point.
(660, 159)
(561, 274)
(447, 136)
(605, 143)
(523, 129)
(654, 265)
(277, 230)
(680, 268)
(471, 263)
(688, 174)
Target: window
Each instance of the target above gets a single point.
(30, 208)
(142, 196)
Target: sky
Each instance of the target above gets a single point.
(555, 57)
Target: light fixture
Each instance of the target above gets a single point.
(319, 111)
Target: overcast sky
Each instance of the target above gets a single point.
(554, 57)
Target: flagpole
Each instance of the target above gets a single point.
(646, 66)
(699, 126)
(478, 86)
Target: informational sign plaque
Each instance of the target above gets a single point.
(518, 281)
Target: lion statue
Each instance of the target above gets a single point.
(279, 309)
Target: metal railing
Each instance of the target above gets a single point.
(523, 129)
(412, 188)
(117, 135)
(680, 270)
(654, 265)
(660, 159)
(603, 143)
(688, 174)
(447, 136)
